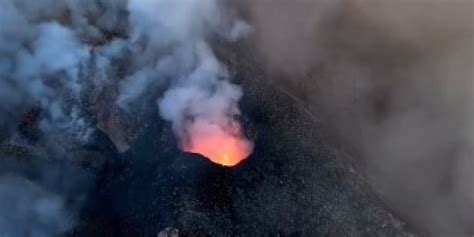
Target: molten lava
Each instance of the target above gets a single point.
(220, 147)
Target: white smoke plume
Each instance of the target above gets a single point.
(85, 64)
(42, 62)
(172, 37)
(57, 53)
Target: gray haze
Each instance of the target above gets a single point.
(394, 79)
(29, 210)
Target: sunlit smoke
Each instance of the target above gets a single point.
(222, 144)
(203, 108)
(201, 102)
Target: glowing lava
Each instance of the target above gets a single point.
(220, 147)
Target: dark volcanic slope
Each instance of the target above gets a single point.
(294, 184)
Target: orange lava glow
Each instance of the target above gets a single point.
(220, 148)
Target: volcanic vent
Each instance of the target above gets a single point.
(293, 184)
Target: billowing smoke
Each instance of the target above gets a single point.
(201, 102)
(395, 81)
(63, 56)
(42, 64)
(70, 68)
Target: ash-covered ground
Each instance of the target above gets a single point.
(294, 184)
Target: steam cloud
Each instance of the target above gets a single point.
(81, 63)
(395, 80)
(200, 101)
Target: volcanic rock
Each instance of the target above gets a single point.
(294, 184)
